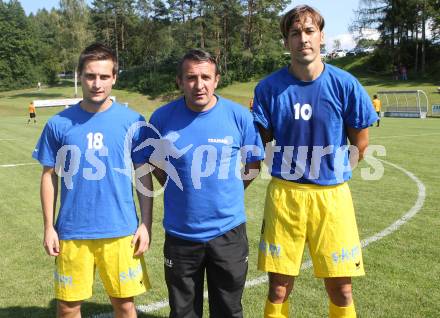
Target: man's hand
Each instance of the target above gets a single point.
(51, 242)
(141, 239)
(358, 138)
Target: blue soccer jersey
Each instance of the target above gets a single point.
(204, 151)
(93, 154)
(308, 121)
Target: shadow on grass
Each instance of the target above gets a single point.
(168, 96)
(88, 310)
(37, 95)
(29, 312)
(66, 83)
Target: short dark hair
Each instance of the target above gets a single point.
(300, 13)
(374, 96)
(97, 52)
(197, 55)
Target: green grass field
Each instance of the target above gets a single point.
(403, 269)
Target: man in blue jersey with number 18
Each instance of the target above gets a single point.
(92, 146)
(310, 109)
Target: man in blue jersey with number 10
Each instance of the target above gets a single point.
(92, 146)
(310, 109)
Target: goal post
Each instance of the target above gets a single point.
(404, 103)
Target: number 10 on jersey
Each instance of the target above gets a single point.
(304, 112)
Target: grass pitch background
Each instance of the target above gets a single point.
(403, 270)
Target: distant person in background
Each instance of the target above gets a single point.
(395, 72)
(251, 102)
(377, 107)
(39, 86)
(32, 113)
(403, 72)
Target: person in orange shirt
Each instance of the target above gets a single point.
(377, 107)
(32, 113)
(251, 102)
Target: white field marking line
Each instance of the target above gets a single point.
(7, 139)
(19, 165)
(376, 237)
(399, 136)
(408, 215)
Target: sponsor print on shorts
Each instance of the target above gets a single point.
(348, 255)
(131, 274)
(63, 280)
(270, 249)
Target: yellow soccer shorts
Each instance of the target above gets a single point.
(322, 216)
(122, 274)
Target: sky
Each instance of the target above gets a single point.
(338, 16)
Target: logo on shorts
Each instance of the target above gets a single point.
(358, 265)
(131, 274)
(347, 254)
(168, 262)
(268, 248)
(63, 279)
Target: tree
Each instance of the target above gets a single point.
(17, 48)
(435, 9)
(400, 22)
(336, 44)
(46, 28)
(75, 31)
(148, 37)
(363, 43)
(117, 23)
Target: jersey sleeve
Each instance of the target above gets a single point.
(260, 109)
(47, 146)
(359, 112)
(251, 141)
(152, 137)
(137, 156)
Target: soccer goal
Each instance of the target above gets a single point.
(409, 104)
